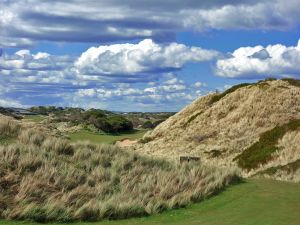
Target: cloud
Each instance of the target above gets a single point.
(24, 22)
(200, 84)
(255, 62)
(144, 57)
(143, 62)
(159, 97)
(23, 66)
(261, 15)
(140, 75)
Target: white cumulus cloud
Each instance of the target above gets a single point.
(143, 57)
(253, 62)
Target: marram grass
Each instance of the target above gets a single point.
(48, 179)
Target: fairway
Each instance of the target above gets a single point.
(255, 202)
(105, 138)
(34, 118)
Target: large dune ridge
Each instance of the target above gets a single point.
(222, 128)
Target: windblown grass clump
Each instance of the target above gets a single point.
(48, 179)
(9, 129)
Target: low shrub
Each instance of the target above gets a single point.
(261, 151)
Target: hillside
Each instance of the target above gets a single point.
(255, 126)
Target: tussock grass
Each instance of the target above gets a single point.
(48, 179)
(8, 127)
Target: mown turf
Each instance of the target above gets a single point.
(255, 202)
(105, 138)
(35, 118)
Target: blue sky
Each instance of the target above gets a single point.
(139, 55)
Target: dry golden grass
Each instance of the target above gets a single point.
(229, 126)
(44, 178)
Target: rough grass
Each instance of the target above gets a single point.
(261, 151)
(48, 179)
(253, 202)
(261, 84)
(8, 128)
(218, 97)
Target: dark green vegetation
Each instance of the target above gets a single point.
(110, 123)
(147, 120)
(261, 151)
(289, 168)
(255, 202)
(46, 110)
(9, 112)
(293, 82)
(105, 138)
(43, 178)
(193, 117)
(102, 120)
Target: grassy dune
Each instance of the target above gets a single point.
(254, 202)
(48, 179)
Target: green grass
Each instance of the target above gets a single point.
(255, 202)
(6, 140)
(35, 118)
(105, 138)
(261, 151)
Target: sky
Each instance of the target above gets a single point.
(141, 55)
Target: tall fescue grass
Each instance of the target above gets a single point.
(8, 128)
(48, 179)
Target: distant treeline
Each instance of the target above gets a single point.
(103, 120)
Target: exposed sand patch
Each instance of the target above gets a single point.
(126, 143)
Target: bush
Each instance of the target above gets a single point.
(110, 123)
(261, 151)
(147, 125)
